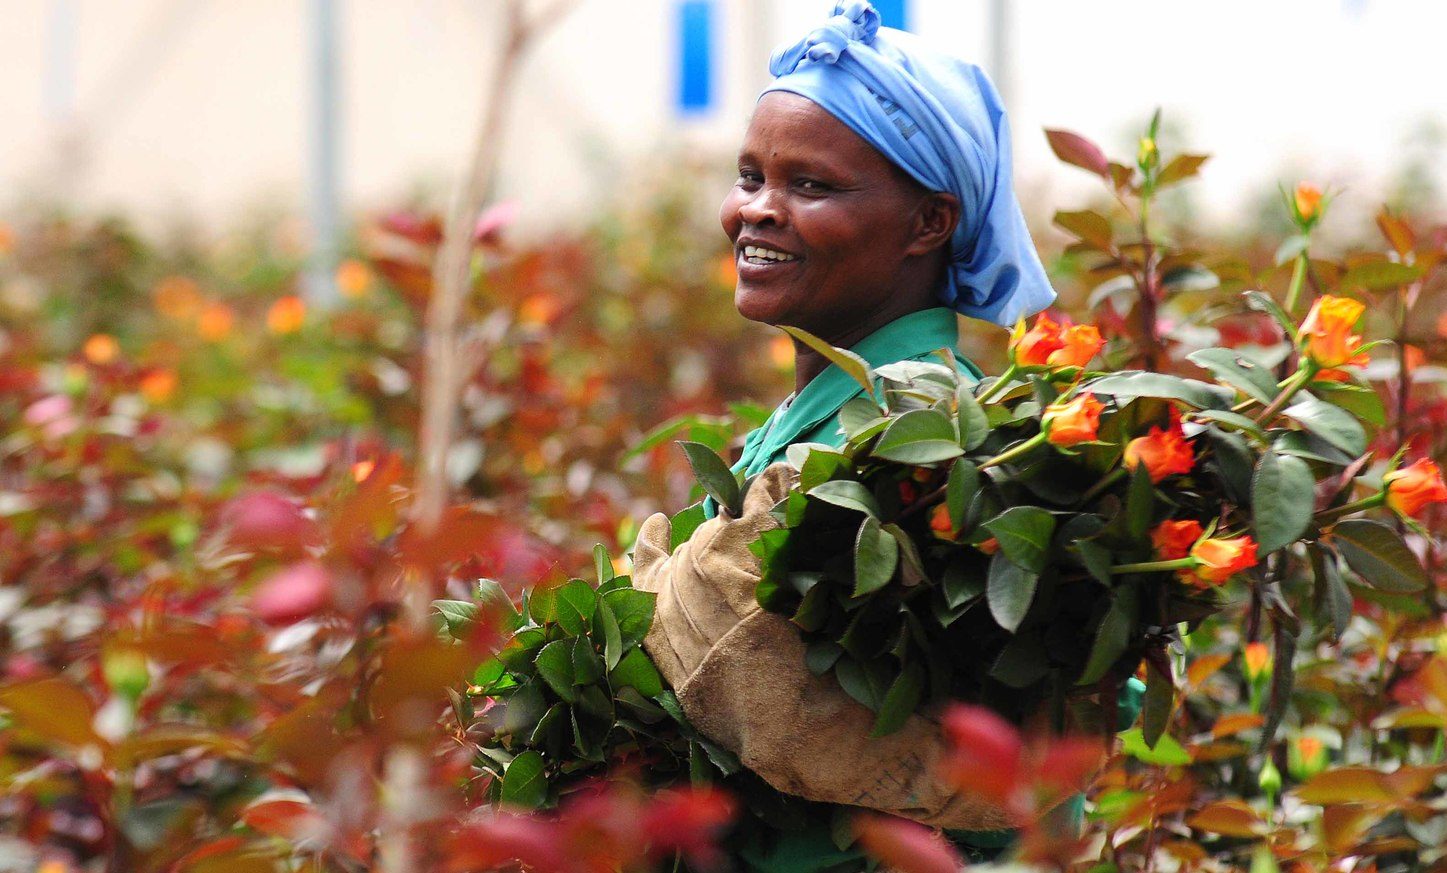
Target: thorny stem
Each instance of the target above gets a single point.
(1149, 284)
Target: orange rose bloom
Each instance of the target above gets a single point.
(1327, 329)
(1173, 539)
(1073, 422)
(1032, 348)
(1411, 488)
(1055, 344)
(1079, 343)
(1164, 451)
(1308, 201)
(1221, 559)
(940, 524)
(286, 315)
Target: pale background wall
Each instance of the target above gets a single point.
(200, 108)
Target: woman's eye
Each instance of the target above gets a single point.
(749, 178)
(812, 186)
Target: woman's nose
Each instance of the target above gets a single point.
(764, 207)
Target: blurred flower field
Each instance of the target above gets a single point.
(214, 649)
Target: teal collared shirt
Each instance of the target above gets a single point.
(813, 415)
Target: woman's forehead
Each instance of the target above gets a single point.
(790, 127)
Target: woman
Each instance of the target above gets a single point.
(874, 202)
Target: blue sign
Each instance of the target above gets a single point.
(893, 13)
(695, 55)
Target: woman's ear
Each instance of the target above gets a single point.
(935, 222)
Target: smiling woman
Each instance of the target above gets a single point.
(873, 206)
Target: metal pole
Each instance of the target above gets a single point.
(324, 169)
(1000, 51)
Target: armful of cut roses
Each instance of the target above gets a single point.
(1017, 542)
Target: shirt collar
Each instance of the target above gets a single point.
(911, 336)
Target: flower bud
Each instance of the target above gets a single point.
(1270, 778)
(1257, 660)
(1075, 422)
(1307, 200)
(1412, 488)
(1220, 559)
(1173, 539)
(1327, 331)
(1164, 451)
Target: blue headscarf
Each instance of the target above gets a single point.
(940, 120)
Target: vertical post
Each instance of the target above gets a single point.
(1000, 51)
(58, 87)
(324, 170)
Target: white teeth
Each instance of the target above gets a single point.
(763, 255)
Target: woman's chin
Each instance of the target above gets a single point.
(756, 304)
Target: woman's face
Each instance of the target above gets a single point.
(839, 226)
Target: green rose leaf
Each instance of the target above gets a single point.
(1156, 709)
(1166, 752)
(960, 488)
(851, 364)
(602, 563)
(973, 422)
(1009, 590)
(920, 436)
(634, 611)
(605, 627)
(857, 415)
(637, 670)
(900, 701)
(1331, 597)
(848, 494)
(1239, 370)
(575, 603)
(1024, 533)
(587, 668)
(555, 665)
(1139, 383)
(1333, 424)
(1379, 556)
(876, 553)
(1112, 637)
(713, 475)
(455, 616)
(524, 784)
(1282, 495)
(683, 524)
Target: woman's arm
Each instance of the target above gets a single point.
(740, 675)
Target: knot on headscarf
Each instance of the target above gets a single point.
(853, 21)
(940, 120)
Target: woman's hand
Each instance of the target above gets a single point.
(740, 676)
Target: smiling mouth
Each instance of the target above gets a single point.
(760, 256)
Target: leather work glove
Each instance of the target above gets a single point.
(740, 676)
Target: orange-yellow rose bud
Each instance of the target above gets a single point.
(1328, 332)
(1413, 487)
(215, 322)
(1257, 659)
(101, 349)
(353, 278)
(1173, 539)
(286, 315)
(1075, 422)
(940, 523)
(1308, 201)
(989, 546)
(1220, 559)
(157, 386)
(1164, 451)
